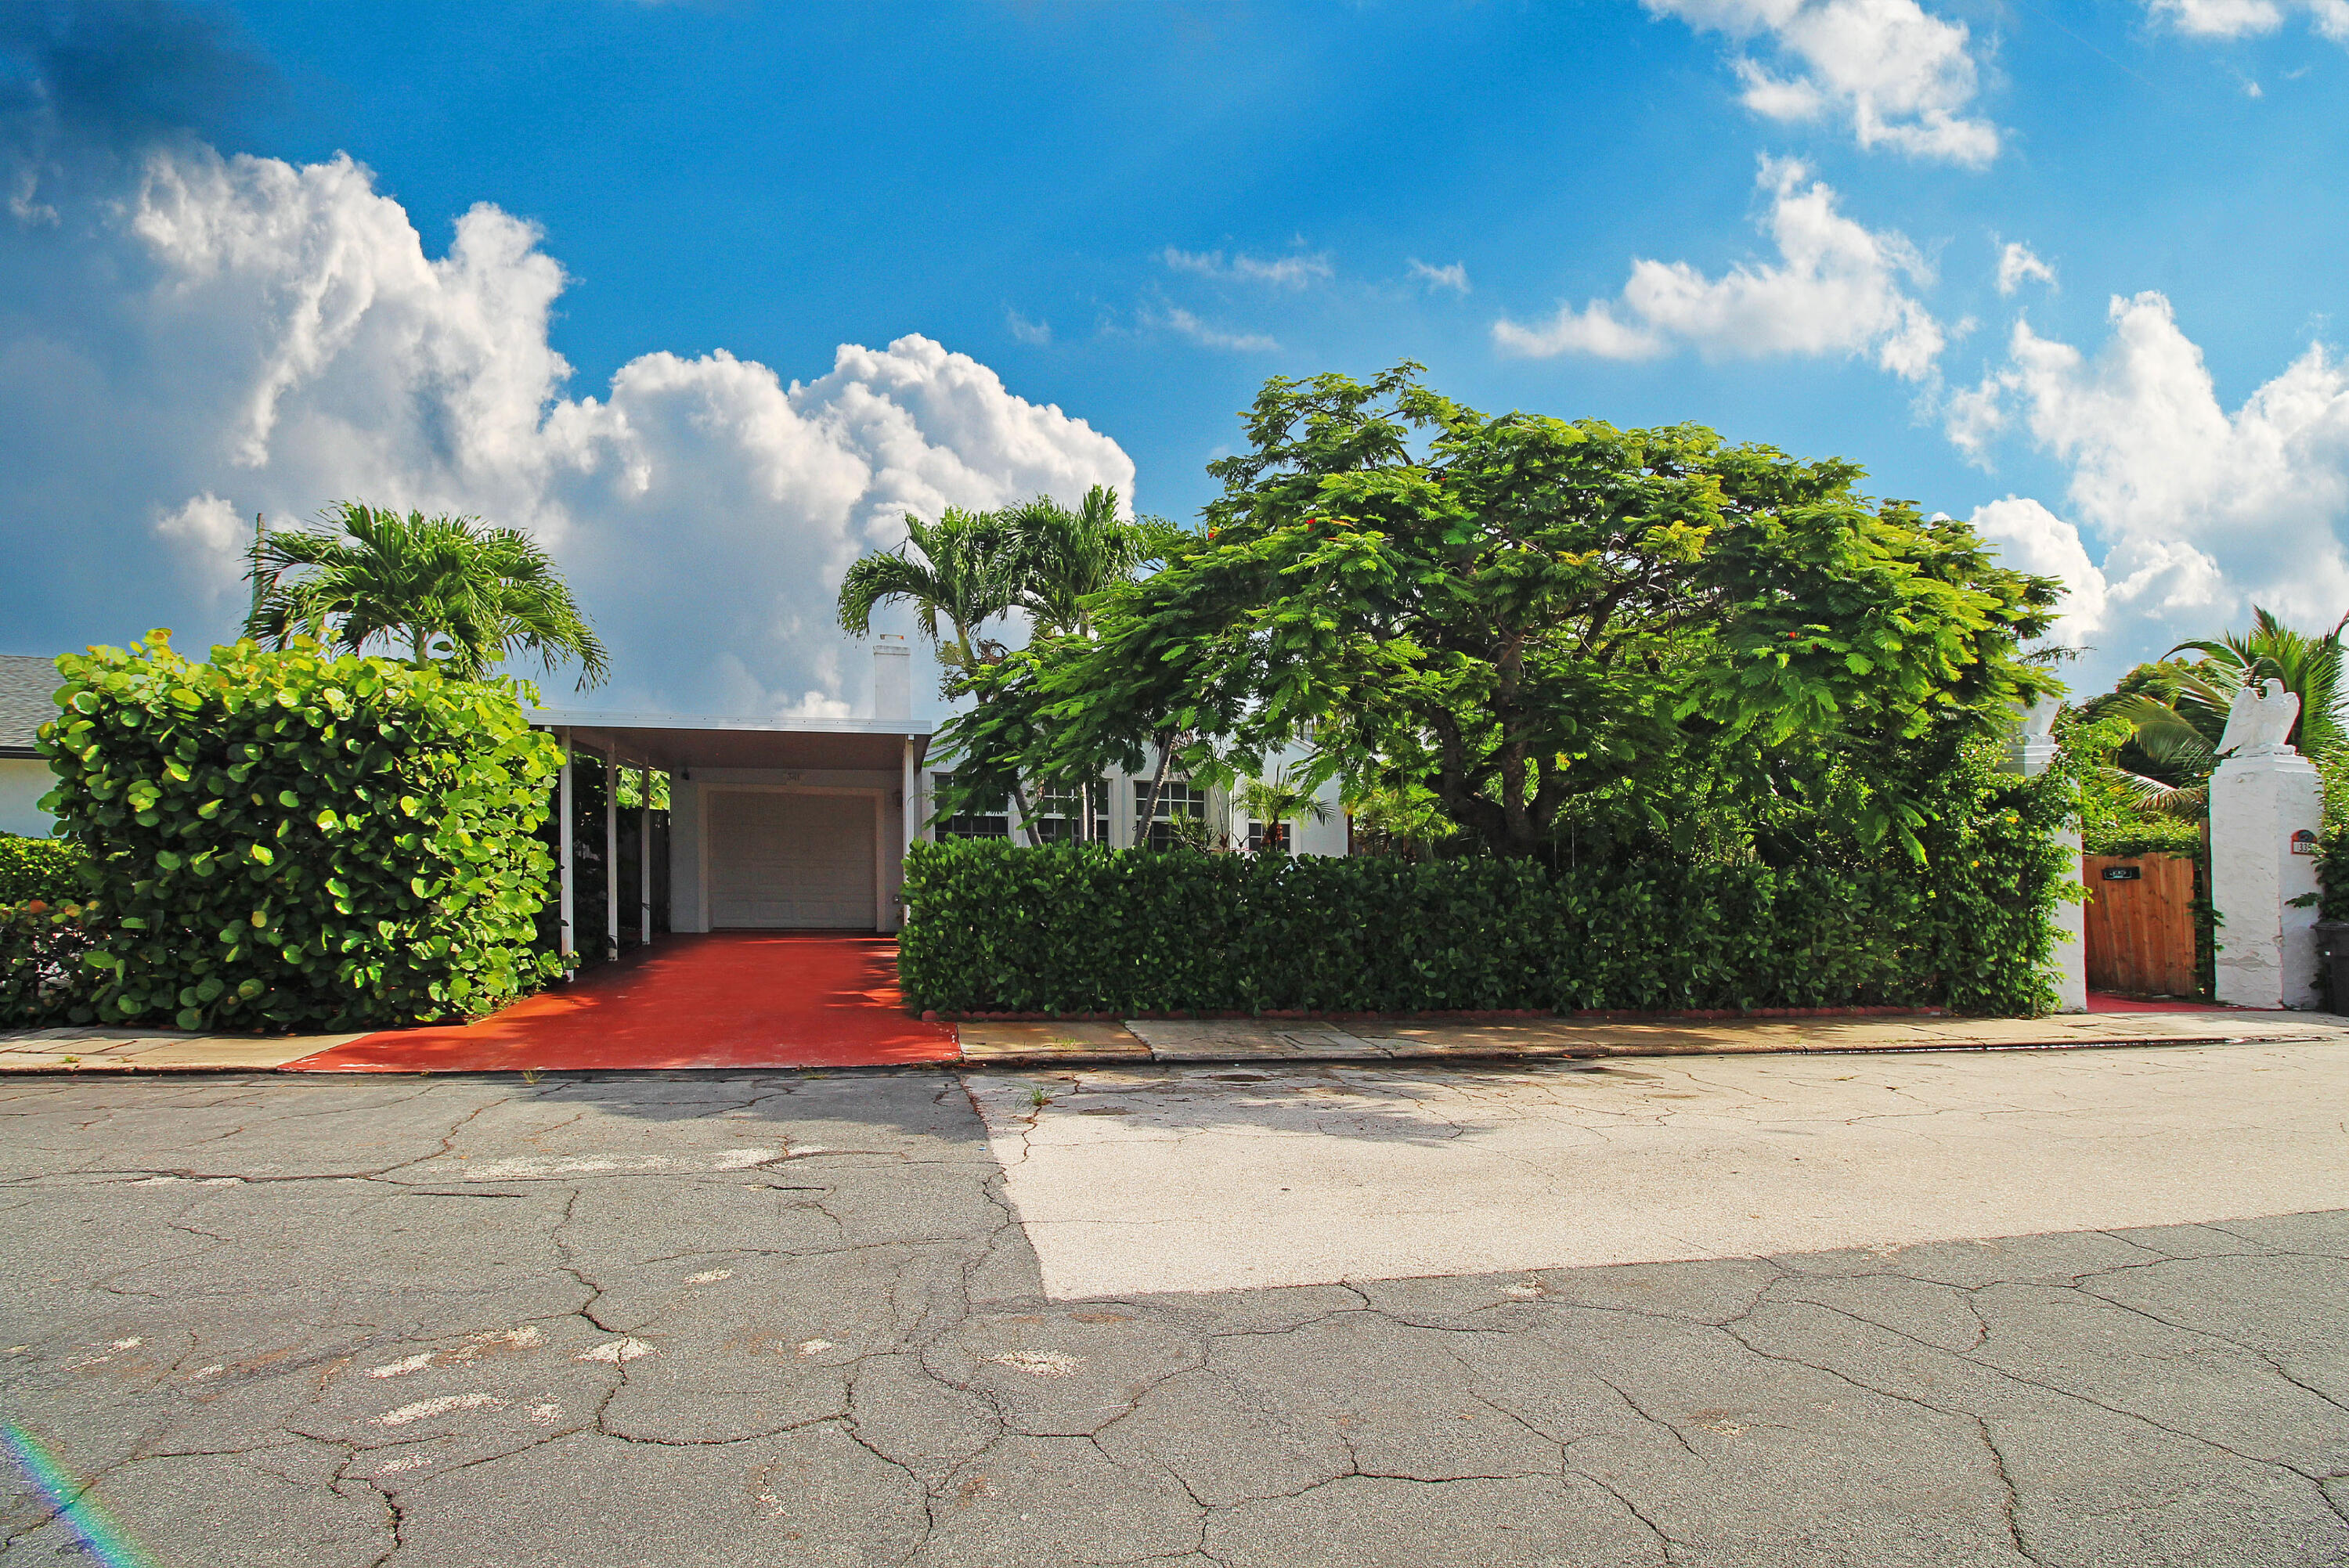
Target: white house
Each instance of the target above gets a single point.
(802, 823)
(28, 685)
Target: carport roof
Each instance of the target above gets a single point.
(676, 742)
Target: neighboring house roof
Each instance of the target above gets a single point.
(28, 685)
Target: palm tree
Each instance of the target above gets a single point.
(1061, 558)
(960, 568)
(969, 567)
(450, 588)
(2178, 714)
(1277, 800)
(2310, 668)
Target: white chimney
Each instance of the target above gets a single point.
(893, 678)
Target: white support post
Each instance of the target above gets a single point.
(645, 856)
(2267, 805)
(912, 786)
(611, 849)
(564, 866)
(2029, 753)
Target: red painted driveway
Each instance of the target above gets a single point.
(729, 999)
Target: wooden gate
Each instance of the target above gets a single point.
(2141, 925)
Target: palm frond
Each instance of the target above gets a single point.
(454, 588)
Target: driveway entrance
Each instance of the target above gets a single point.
(726, 999)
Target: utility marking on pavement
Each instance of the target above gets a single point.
(126, 1344)
(394, 1466)
(521, 1338)
(551, 1167)
(617, 1351)
(202, 1373)
(401, 1369)
(710, 1276)
(425, 1410)
(546, 1415)
(813, 1347)
(1038, 1363)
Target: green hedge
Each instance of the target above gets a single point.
(44, 869)
(993, 926)
(43, 980)
(291, 841)
(2146, 836)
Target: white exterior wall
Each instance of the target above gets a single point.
(23, 781)
(688, 901)
(1223, 815)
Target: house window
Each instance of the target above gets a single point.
(1281, 837)
(989, 824)
(1176, 799)
(1066, 812)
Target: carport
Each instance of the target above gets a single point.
(775, 824)
(794, 824)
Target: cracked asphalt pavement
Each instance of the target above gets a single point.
(619, 1322)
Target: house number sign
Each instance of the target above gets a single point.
(2303, 842)
(2124, 873)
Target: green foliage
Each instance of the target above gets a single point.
(1081, 928)
(43, 980)
(45, 869)
(2143, 836)
(451, 587)
(288, 840)
(1531, 614)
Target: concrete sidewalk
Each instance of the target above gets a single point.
(1305, 1040)
(1309, 1040)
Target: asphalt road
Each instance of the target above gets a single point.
(618, 1322)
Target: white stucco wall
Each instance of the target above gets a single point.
(687, 817)
(1223, 817)
(23, 781)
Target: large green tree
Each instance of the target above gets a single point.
(454, 589)
(1514, 613)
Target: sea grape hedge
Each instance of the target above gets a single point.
(993, 926)
(290, 839)
(44, 869)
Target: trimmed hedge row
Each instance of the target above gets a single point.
(2149, 836)
(291, 839)
(1072, 928)
(44, 869)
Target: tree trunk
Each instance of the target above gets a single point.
(1157, 785)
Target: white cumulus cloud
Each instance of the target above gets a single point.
(2200, 511)
(240, 334)
(1835, 288)
(2248, 18)
(2019, 264)
(1897, 74)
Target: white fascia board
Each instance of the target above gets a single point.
(574, 719)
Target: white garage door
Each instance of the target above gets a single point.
(780, 860)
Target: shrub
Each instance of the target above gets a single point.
(1080, 928)
(42, 979)
(289, 840)
(44, 869)
(2144, 836)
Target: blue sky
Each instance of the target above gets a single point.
(1783, 218)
